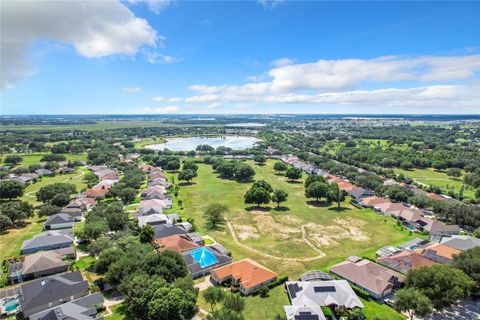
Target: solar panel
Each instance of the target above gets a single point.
(324, 289)
(306, 317)
(293, 289)
(315, 275)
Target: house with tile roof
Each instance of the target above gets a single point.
(405, 261)
(371, 201)
(375, 279)
(177, 243)
(438, 252)
(247, 274)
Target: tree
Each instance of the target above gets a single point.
(146, 234)
(187, 175)
(356, 314)
(335, 194)
(10, 189)
(313, 178)
(454, 172)
(190, 165)
(127, 195)
(263, 291)
(94, 228)
(106, 258)
(413, 302)
(16, 210)
(317, 190)
(260, 159)
(243, 172)
(442, 284)
(257, 196)
(234, 302)
(169, 303)
(48, 210)
(225, 314)
(293, 173)
(173, 165)
(262, 184)
(214, 215)
(13, 159)
(5, 222)
(213, 296)
(469, 262)
(280, 166)
(46, 193)
(60, 200)
(279, 196)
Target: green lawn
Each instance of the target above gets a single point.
(437, 178)
(87, 262)
(119, 313)
(272, 236)
(29, 159)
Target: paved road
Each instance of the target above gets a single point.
(465, 310)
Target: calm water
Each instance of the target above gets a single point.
(191, 143)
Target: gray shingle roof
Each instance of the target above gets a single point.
(83, 308)
(462, 242)
(51, 289)
(59, 218)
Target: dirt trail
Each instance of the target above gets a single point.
(304, 236)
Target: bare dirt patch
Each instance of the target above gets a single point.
(289, 219)
(245, 232)
(346, 228)
(267, 225)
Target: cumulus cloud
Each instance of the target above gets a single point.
(282, 62)
(93, 28)
(434, 81)
(131, 89)
(164, 110)
(155, 57)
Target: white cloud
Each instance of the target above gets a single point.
(156, 6)
(165, 110)
(94, 28)
(131, 89)
(270, 4)
(156, 57)
(282, 62)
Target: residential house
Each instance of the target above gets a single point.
(359, 193)
(461, 243)
(84, 204)
(44, 172)
(405, 261)
(375, 279)
(185, 225)
(389, 208)
(59, 221)
(74, 213)
(153, 219)
(51, 291)
(328, 293)
(40, 264)
(195, 238)
(247, 274)
(84, 308)
(438, 252)
(178, 243)
(371, 201)
(414, 244)
(47, 241)
(201, 261)
(147, 207)
(166, 230)
(312, 312)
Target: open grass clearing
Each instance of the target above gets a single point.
(35, 158)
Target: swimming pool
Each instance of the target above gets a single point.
(9, 305)
(203, 257)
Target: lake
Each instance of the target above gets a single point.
(191, 143)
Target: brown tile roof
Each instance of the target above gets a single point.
(440, 250)
(367, 274)
(176, 243)
(405, 261)
(389, 207)
(152, 203)
(346, 186)
(248, 272)
(370, 201)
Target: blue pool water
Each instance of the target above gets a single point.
(204, 257)
(10, 305)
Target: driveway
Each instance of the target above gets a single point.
(204, 284)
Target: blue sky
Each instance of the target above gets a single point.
(240, 57)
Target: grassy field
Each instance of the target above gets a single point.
(437, 178)
(274, 237)
(12, 239)
(29, 159)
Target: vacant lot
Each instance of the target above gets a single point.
(274, 237)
